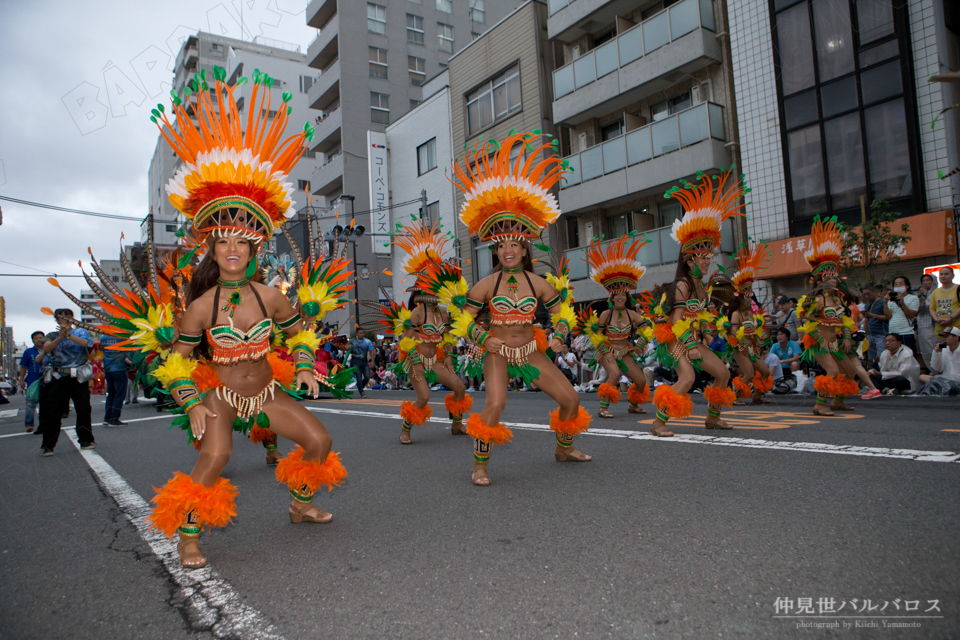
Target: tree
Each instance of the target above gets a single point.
(875, 242)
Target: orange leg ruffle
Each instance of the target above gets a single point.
(846, 387)
(826, 385)
(412, 415)
(295, 472)
(672, 403)
(716, 396)
(574, 425)
(212, 506)
(498, 434)
(638, 397)
(763, 384)
(608, 393)
(259, 435)
(457, 408)
(742, 389)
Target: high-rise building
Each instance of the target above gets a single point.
(200, 53)
(371, 59)
(834, 105)
(639, 97)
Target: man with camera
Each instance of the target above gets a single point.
(946, 355)
(69, 379)
(898, 370)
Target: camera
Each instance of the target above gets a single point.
(858, 336)
(942, 345)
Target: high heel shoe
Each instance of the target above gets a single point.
(571, 455)
(273, 456)
(306, 512)
(659, 429)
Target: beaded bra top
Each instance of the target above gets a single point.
(505, 311)
(433, 333)
(230, 345)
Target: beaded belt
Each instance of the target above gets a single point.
(428, 362)
(245, 406)
(518, 355)
(620, 352)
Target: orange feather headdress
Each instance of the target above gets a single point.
(234, 175)
(507, 198)
(424, 246)
(751, 259)
(615, 266)
(707, 206)
(826, 246)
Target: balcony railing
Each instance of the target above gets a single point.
(662, 249)
(556, 5)
(682, 129)
(651, 34)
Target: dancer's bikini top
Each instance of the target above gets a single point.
(432, 333)
(619, 334)
(230, 345)
(504, 311)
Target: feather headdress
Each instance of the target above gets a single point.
(234, 178)
(826, 246)
(751, 259)
(615, 266)
(423, 245)
(508, 198)
(707, 205)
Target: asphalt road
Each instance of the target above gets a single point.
(691, 537)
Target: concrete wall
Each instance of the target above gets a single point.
(429, 120)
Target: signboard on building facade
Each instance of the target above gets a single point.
(379, 192)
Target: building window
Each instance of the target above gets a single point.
(418, 70)
(379, 108)
(433, 211)
(619, 225)
(477, 13)
(305, 83)
(414, 29)
(414, 103)
(668, 212)
(573, 232)
(845, 104)
(611, 131)
(474, 35)
(669, 107)
(216, 50)
(303, 185)
(378, 62)
(415, 1)
(116, 278)
(376, 19)
(444, 37)
(445, 5)
(482, 259)
(427, 156)
(171, 228)
(495, 100)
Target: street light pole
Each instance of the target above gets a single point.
(353, 257)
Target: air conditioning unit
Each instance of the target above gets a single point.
(586, 141)
(695, 94)
(576, 52)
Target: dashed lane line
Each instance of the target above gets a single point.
(210, 601)
(747, 443)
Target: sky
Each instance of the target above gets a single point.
(62, 61)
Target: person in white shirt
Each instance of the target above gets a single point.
(946, 356)
(568, 364)
(899, 370)
(903, 307)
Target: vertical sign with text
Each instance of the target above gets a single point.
(379, 192)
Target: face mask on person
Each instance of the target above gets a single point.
(899, 289)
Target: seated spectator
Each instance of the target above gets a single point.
(568, 364)
(945, 360)
(787, 317)
(787, 351)
(899, 370)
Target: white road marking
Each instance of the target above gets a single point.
(9, 413)
(748, 443)
(211, 601)
(24, 433)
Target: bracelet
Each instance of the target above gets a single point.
(562, 329)
(190, 404)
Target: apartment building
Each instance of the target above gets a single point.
(201, 52)
(834, 104)
(371, 60)
(640, 102)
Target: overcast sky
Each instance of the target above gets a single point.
(55, 155)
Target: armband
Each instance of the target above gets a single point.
(176, 375)
(190, 340)
(557, 299)
(288, 324)
(302, 347)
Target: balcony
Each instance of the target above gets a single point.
(325, 47)
(328, 177)
(662, 249)
(188, 57)
(572, 19)
(646, 59)
(319, 11)
(326, 89)
(326, 132)
(646, 158)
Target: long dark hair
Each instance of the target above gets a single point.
(527, 259)
(682, 275)
(206, 273)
